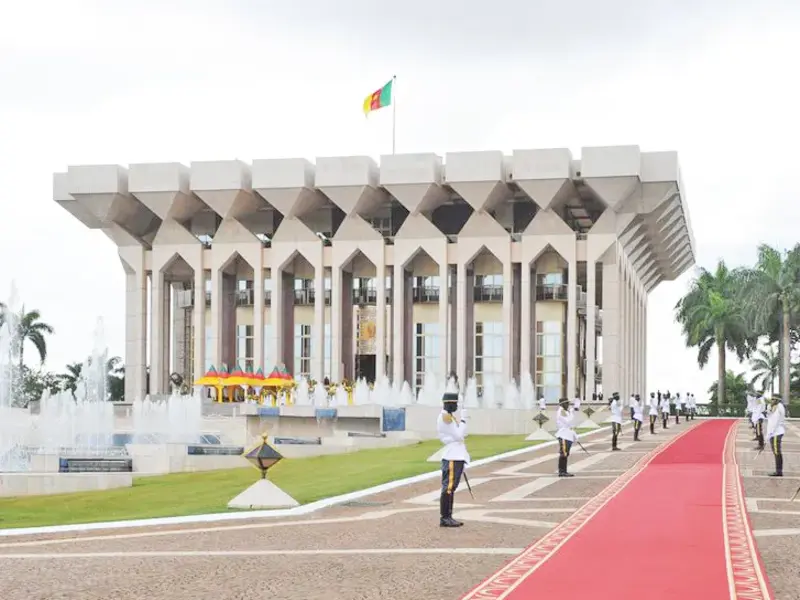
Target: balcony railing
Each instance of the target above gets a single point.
(305, 297)
(245, 297)
(552, 291)
(366, 296)
(488, 293)
(425, 294)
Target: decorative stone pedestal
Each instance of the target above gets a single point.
(540, 435)
(261, 495)
(436, 457)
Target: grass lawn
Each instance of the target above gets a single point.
(305, 479)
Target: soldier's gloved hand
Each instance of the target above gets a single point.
(464, 414)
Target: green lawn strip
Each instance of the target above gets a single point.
(305, 479)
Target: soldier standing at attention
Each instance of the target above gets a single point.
(452, 432)
(565, 421)
(758, 422)
(664, 410)
(616, 419)
(775, 430)
(653, 412)
(638, 416)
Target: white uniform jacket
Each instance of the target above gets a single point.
(616, 411)
(758, 412)
(638, 412)
(653, 407)
(452, 434)
(776, 421)
(565, 421)
(665, 405)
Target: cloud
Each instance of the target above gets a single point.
(90, 82)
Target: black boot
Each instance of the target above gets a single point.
(562, 467)
(652, 428)
(446, 511)
(778, 467)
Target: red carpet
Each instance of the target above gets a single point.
(674, 526)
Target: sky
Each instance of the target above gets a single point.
(91, 82)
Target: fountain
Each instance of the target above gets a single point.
(320, 396)
(302, 395)
(527, 392)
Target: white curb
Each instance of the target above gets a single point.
(259, 514)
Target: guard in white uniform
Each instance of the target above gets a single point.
(758, 422)
(678, 403)
(638, 416)
(616, 419)
(776, 427)
(565, 421)
(748, 412)
(542, 404)
(664, 403)
(576, 404)
(653, 412)
(452, 432)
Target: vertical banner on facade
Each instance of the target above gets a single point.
(365, 340)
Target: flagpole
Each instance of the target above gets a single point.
(394, 113)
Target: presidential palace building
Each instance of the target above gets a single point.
(479, 263)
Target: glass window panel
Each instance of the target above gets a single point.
(552, 394)
(552, 346)
(550, 364)
(551, 379)
(419, 328)
(539, 363)
(478, 328)
(539, 327)
(552, 327)
(478, 364)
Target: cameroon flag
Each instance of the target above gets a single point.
(379, 98)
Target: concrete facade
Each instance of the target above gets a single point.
(480, 263)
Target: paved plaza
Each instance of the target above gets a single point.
(387, 546)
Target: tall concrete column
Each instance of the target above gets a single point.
(462, 322)
(318, 332)
(135, 332)
(591, 324)
(611, 333)
(399, 314)
(258, 312)
(380, 321)
(444, 321)
(276, 310)
(159, 334)
(572, 327)
(508, 338)
(337, 318)
(644, 339)
(199, 322)
(526, 329)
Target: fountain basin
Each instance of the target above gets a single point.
(45, 484)
(159, 459)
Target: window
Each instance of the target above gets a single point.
(488, 352)
(550, 278)
(427, 350)
(489, 280)
(302, 351)
(549, 360)
(244, 346)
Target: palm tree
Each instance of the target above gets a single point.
(711, 314)
(773, 292)
(736, 389)
(30, 328)
(69, 380)
(765, 366)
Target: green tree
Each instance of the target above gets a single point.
(116, 379)
(736, 389)
(712, 315)
(766, 365)
(30, 328)
(772, 289)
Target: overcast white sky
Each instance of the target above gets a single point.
(90, 82)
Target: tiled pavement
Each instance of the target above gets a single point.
(387, 547)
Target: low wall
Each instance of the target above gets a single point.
(159, 459)
(45, 484)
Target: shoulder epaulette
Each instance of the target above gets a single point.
(447, 418)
